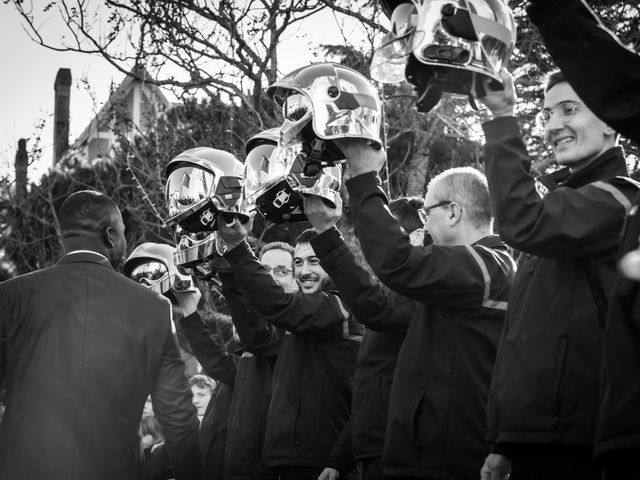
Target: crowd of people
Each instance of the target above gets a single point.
(499, 337)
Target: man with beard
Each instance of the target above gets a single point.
(386, 317)
(81, 348)
(314, 370)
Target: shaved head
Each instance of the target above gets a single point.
(90, 220)
(86, 211)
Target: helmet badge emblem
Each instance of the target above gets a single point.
(206, 217)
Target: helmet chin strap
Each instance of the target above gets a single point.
(431, 94)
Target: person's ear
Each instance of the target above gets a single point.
(107, 234)
(454, 213)
(608, 131)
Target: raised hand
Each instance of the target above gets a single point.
(321, 215)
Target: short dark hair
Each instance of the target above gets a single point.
(306, 236)
(86, 210)
(276, 246)
(405, 210)
(552, 79)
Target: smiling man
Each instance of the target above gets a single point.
(308, 272)
(544, 393)
(313, 376)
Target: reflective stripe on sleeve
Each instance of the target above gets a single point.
(617, 194)
(486, 301)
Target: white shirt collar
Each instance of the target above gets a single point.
(88, 251)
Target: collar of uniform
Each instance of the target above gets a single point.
(85, 256)
(492, 241)
(609, 164)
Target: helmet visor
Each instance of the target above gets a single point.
(326, 184)
(187, 187)
(390, 58)
(151, 274)
(257, 168)
(203, 256)
(283, 158)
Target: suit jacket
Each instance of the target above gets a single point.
(81, 347)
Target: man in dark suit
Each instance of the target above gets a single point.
(81, 347)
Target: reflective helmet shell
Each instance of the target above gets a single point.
(388, 6)
(455, 46)
(279, 198)
(220, 183)
(339, 103)
(269, 136)
(162, 253)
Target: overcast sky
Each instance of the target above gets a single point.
(29, 71)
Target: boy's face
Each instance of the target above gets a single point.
(580, 136)
(201, 397)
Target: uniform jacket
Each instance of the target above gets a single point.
(545, 384)
(386, 316)
(247, 422)
(606, 76)
(438, 396)
(81, 348)
(221, 366)
(314, 371)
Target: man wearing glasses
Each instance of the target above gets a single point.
(461, 283)
(544, 394)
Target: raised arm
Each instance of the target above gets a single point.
(602, 71)
(172, 405)
(372, 305)
(317, 314)
(216, 363)
(257, 336)
(565, 223)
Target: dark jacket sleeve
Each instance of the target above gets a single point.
(371, 304)
(445, 276)
(341, 456)
(172, 405)
(256, 335)
(216, 363)
(565, 223)
(4, 317)
(320, 315)
(604, 73)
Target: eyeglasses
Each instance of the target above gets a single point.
(426, 211)
(565, 111)
(279, 271)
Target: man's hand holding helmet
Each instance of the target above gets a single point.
(233, 231)
(321, 215)
(501, 103)
(187, 301)
(362, 157)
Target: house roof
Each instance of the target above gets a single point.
(139, 74)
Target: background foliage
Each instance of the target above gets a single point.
(225, 53)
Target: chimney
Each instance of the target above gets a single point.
(62, 88)
(21, 165)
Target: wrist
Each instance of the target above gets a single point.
(324, 227)
(503, 112)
